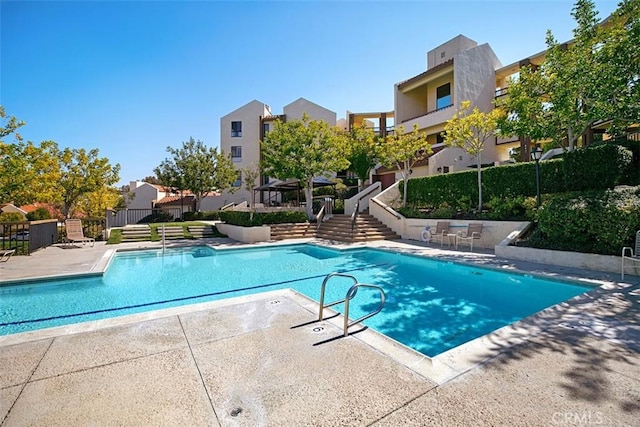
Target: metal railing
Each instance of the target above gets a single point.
(387, 208)
(354, 217)
(351, 293)
(28, 236)
(122, 217)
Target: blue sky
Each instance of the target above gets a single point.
(132, 78)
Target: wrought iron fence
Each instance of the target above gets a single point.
(26, 237)
(122, 217)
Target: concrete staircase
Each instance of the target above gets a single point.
(366, 228)
(172, 232)
(202, 231)
(293, 231)
(136, 233)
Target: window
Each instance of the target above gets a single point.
(236, 153)
(440, 138)
(236, 129)
(443, 96)
(238, 182)
(265, 128)
(442, 54)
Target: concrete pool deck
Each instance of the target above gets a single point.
(263, 360)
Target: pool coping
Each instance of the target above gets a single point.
(439, 369)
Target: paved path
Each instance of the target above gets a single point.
(261, 360)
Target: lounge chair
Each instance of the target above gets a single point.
(441, 231)
(75, 234)
(473, 232)
(629, 254)
(5, 254)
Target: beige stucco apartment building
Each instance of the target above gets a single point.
(242, 130)
(457, 70)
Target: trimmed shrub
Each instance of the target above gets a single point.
(156, 217)
(38, 214)
(597, 167)
(595, 222)
(205, 215)
(261, 218)
(11, 217)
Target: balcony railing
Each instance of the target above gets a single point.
(501, 92)
(428, 112)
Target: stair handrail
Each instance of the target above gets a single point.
(320, 217)
(354, 216)
(387, 208)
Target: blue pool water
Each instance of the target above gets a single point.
(432, 306)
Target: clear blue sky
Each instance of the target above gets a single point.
(132, 78)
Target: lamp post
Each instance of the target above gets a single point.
(536, 153)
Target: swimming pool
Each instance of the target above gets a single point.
(432, 306)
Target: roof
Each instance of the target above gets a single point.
(175, 200)
(293, 184)
(430, 71)
(49, 207)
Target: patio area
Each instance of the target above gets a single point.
(263, 360)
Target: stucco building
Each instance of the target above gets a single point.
(457, 70)
(242, 130)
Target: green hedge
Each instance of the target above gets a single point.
(594, 222)
(597, 167)
(261, 218)
(206, 215)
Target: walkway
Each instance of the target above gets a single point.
(262, 360)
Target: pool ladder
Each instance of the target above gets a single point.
(353, 290)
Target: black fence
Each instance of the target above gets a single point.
(29, 236)
(120, 218)
(26, 237)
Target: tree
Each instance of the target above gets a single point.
(151, 180)
(593, 78)
(621, 85)
(95, 204)
(302, 150)
(403, 150)
(250, 175)
(196, 168)
(363, 152)
(83, 172)
(28, 172)
(469, 131)
(527, 106)
(9, 125)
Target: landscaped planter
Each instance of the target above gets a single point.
(608, 263)
(245, 234)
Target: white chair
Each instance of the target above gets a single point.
(629, 254)
(473, 232)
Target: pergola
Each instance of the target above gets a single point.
(283, 186)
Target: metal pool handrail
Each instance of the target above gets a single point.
(351, 293)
